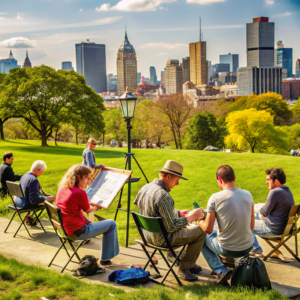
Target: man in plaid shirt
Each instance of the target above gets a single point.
(154, 200)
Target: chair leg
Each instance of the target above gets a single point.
(288, 249)
(150, 259)
(62, 245)
(75, 252)
(37, 217)
(23, 223)
(273, 250)
(10, 221)
(72, 246)
(296, 244)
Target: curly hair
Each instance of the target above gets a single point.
(70, 179)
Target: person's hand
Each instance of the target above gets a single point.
(183, 213)
(102, 166)
(50, 198)
(195, 214)
(98, 206)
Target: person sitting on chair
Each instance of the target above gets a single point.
(272, 217)
(31, 187)
(88, 155)
(233, 209)
(72, 200)
(154, 200)
(7, 173)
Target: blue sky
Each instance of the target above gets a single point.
(158, 29)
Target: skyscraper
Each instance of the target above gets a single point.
(163, 78)
(126, 67)
(139, 77)
(153, 77)
(285, 59)
(297, 69)
(8, 63)
(260, 43)
(198, 65)
(185, 69)
(232, 60)
(173, 77)
(91, 63)
(67, 65)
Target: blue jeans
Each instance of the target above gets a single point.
(262, 230)
(110, 243)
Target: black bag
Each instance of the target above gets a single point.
(88, 266)
(251, 271)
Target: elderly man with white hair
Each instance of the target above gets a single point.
(31, 187)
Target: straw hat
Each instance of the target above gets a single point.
(173, 167)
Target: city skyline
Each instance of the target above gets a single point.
(159, 30)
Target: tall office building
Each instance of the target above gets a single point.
(284, 58)
(185, 69)
(91, 63)
(173, 77)
(27, 62)
(232, 60)
(218, 68)
(153, 77)
(67, 65)
(198, 65)
(260, 43)
(297, 69)
(126, 67)
(8, 63)
(163, 78)
(139, 77)
(260, 75)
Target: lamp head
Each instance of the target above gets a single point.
(128, 101)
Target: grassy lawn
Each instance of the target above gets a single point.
(199, 168)
(19, 281)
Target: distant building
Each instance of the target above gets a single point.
(153, 77)
(260, 43)
(198, 64)
(163, 79)
(173, 77)
(222, 77)
(126, 67)
(232, 60)
(144, 88)
(185, 69)
(291, 89)
(218, 68)
(91, 63)
(230, 78)
(285, 59)
(8, 63)
(27, 62)
(297, 69)
(139, 77)
(67, 65)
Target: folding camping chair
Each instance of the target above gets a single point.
(14, 189)
(55, 218)
(156, 225)
(291, 229)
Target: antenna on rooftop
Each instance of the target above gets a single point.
(201, 34)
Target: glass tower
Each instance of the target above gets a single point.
(285, 60)
(232, 59)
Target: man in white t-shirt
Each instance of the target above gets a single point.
(233, 209)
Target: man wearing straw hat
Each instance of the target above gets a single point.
(154, 200)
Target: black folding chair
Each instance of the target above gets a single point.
(14, 189)
(55, 218)
(156, 225)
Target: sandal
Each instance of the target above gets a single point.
(259, 255)
(280, 256)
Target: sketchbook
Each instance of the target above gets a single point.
(106, 186)
(258, 206)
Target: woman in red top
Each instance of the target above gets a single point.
(72, 200)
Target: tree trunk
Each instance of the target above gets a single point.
(76, 135)
(103, 140)
(1, 129)
(55, 137)
(44, 139)
(252, 149)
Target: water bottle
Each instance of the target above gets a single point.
(196, 205)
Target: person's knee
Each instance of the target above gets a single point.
(113, 225)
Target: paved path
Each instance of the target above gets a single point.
(41, 248)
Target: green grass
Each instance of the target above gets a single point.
(199, 168)
(20, 281)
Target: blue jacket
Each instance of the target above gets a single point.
(89, 159)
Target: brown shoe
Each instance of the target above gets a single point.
(105, 262)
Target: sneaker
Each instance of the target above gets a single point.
(196, 269)
(224, 276)
(171, 258)
(186, 275)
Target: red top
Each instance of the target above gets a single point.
(72, 201)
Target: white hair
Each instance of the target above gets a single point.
(38, 165)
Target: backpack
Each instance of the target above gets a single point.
(130, 276)
(252, 272)
(88, 266)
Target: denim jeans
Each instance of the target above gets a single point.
(110, 243)
(262, 230)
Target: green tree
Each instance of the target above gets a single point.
(204, 130)
(253, 129)
(46, 98)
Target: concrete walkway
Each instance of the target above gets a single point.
(41, 248)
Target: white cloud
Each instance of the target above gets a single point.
(3, 13)
(81, 9)
(270, 2)
(287, 14)
(20, 16)
(204, 2)
(135, 5)
(18, 42)
(163, 45)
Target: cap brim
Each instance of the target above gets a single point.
(170, 172)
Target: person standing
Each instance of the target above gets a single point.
(89, 159)
(7, 173)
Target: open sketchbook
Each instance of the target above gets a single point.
(258, 206)
(106, 186)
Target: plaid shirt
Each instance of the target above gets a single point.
(154, 200)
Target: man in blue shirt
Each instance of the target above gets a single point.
(272, 217)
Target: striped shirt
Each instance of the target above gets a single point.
(154, 200)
